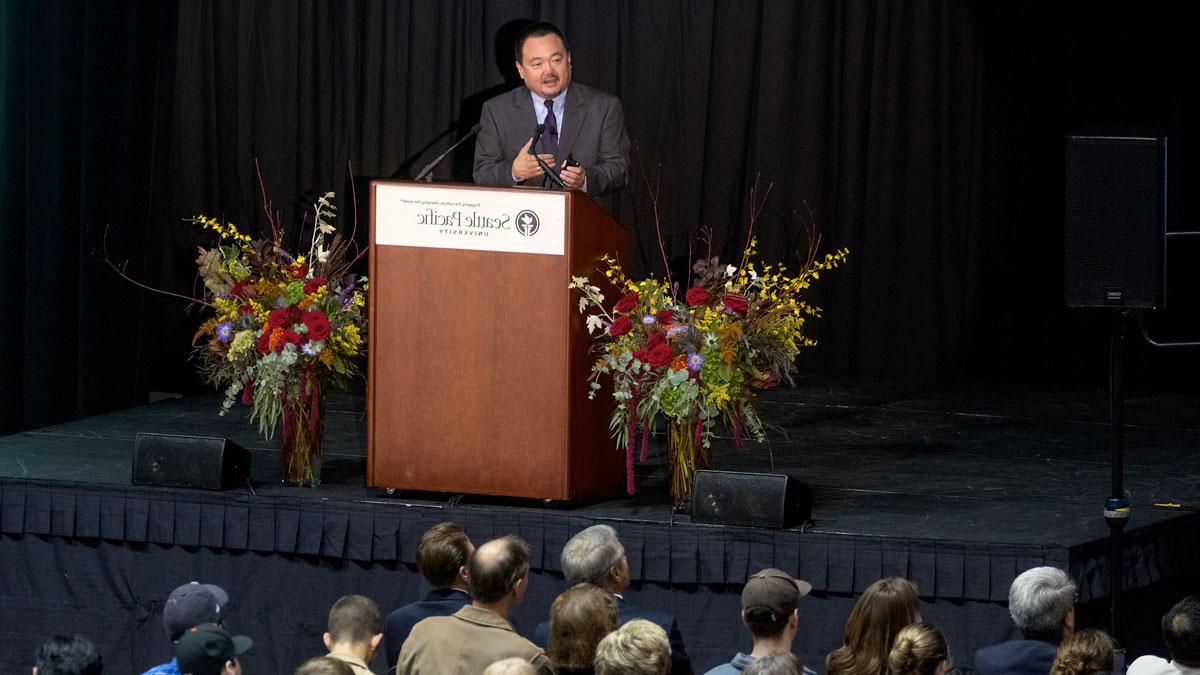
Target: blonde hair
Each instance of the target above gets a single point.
(881, 611)
(579, 618)
(1087, 651)
(918, 650)
(637, 648)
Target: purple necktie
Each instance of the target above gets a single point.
(550, 137)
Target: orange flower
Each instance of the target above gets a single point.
(679, 362)
(276, 339)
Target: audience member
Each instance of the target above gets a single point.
(639, 647)
(442, 559)
(1181, 632)
(1041, 602)
(62, 655)
(513, 666)
(479, 634)
(776, 664)
(880, 612)
(1085, 652)
(579, 618)
(769, 610)
(189, 605)
(354, 632)
(919, 649)
(208, 649)
(596, 556)
(324, 665)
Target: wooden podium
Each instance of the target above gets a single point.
(478, 359)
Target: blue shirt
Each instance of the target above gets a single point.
(171, 668)
(739, 663)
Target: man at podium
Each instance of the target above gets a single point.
(582, 140)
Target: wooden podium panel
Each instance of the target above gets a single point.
(478, 361)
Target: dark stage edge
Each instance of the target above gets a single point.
(957, 485)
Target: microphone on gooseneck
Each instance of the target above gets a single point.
(550, 173)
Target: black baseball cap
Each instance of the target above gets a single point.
(204, 649)
(191, 605)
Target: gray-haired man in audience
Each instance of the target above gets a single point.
(596, 556)
(1041, 602)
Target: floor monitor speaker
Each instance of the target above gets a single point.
(756, 499)
(189, 461)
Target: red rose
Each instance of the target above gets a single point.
(313, 285)
(239, 289)
(665, 315)
(640, 355)
(298, 271)
(627, 303)
(292, 337)
(295, 315)
(318, 325)
(621, 326)
(735, 303)
(697, 295)
(279, 318)
(246, 309)
(656, 339)
(248, 393)
(659, 355)
(264, 342)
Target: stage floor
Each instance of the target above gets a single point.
(986, 462)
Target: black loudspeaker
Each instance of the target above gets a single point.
(189, 461)
(758, 499)
(1116, 215)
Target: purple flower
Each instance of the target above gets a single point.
(225, 332)
(676, 330)
(307, 349)
(695, 361)
(649, 318)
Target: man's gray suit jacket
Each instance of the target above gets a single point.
(593, 134)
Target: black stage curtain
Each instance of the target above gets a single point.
(925, 137)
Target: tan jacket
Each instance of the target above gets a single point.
(466, 643)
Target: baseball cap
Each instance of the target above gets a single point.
(204, 649)
(773, 591)
(191, 605)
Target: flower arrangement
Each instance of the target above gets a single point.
(284, 329)
(699, 358)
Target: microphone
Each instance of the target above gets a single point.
(550, 173)
(427, 173)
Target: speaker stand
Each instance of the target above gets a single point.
(1116, 507)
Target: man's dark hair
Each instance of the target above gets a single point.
(443, 549)
(62, 655)
(354, 619)
(493, 579)
(1181, 631)
(535, 30)
(763, 624)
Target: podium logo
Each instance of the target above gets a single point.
(528, 223)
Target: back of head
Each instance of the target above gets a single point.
(354, 619)
(775, 664)
(769, 600)
(637, 648)
(589, 555)
(887, 606)
(917, 650)
(192, 604)
(1039, 601)
(513, 666)
(62, 655)
(205, 649)
(496, 567)
(324, 665)
(579, 618)
(1181, 631)
(443, 549)
(1085, 652)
